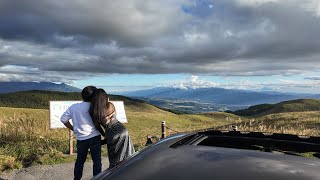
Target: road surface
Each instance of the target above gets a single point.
(51, 172)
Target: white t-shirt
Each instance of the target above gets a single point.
(83, 126)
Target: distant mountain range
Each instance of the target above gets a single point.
(6, 87)
(180, 100)
(211, 99)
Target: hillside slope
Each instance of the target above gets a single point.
(40, 99)
(298, 123)
(34, 99)
(20, 148)
(299, 105)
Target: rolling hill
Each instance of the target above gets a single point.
(34, 99)
(40, 99)
(299, 105)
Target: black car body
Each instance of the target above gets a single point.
(222, 155)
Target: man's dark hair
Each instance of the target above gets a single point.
(87, 93)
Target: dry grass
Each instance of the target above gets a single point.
(8, 162)
(25, 137)
(298, 123)
(25, 133)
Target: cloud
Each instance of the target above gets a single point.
(296, 86)
(229, 38)
(255, 2)
(26, 74)
(313, 78)
(129, 22)
(194, 82)
(280, 85)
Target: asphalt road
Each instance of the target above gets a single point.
(51, 172)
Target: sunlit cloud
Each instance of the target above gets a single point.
(194, 82)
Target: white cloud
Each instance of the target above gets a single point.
(194, 38)
(255, 2)
(28, 74)
(312, 6)
(280, 86)
(310, 85)
(194, 82)
(315, 78)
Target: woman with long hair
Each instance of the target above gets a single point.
(116, 135)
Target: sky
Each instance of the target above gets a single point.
(128, 45)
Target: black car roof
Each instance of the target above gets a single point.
(162, 161)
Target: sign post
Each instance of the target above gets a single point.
(70, 142)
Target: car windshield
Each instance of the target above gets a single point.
(168, 67)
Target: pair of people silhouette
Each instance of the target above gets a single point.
(91, 119)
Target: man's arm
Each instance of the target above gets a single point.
(65, 119)
(68, 125)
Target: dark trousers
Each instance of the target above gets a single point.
(82, 150)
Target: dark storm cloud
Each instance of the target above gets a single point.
(129, 23)
(236, 37)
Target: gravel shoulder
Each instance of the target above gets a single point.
(51, 172)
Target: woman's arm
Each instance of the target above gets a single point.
(98, 126)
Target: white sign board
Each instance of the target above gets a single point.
(57, 108)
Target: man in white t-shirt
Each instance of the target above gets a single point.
(88, 137)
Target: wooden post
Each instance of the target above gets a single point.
(70, 142)
(163, 129)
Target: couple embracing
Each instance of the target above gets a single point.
(93, 117)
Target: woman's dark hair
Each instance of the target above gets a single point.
(99, 105)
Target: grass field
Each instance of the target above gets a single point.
(299, 123)
(25, 137)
